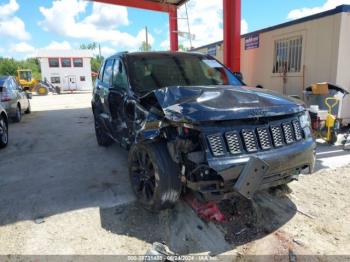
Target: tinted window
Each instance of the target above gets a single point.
(55, 80)
(78, 62)
(25, 75)
(107, 72)
(119, 75)
(66, 62)
(11, 85)
(53, 62)
(150, 72)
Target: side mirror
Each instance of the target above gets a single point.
(239, 76)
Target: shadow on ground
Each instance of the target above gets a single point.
(53, 165)
(185, 233)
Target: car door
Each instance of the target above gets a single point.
(117, 97)
(101, 93)
(21, 95)
(12, 95)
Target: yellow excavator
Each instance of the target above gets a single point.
(28, 83)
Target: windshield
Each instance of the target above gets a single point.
(155, 71)
(25, 75)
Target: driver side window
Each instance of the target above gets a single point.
(119, 76)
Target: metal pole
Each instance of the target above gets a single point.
(174, 39)
(188, 25)
(147, 45)
(232, 34)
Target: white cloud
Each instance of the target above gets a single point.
(9, 9)
(22, 47)
(100, 25)
(11, 25)
(165, 45)
(107, 51)
(206, 22)
(244, 27)
(58, 46)
(302, 12)
(109, 16)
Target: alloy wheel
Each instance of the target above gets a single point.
(143, 175)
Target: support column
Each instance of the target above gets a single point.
(232, 34)
(173, 25)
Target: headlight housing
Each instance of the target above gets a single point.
(305, 120)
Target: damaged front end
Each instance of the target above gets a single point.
(226, 141)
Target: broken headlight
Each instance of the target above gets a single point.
(305, 120)
(305, 123)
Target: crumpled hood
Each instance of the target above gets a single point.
(219, 103)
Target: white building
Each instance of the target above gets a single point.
(290, 57)
(68, 69)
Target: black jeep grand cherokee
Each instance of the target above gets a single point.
(189, 123)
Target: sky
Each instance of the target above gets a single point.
(28, 25)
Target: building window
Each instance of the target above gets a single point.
(212, 50)
(78, 62)
(66, 62)
(55, 80)
(288, 54)
(82, 78)
(53, 62)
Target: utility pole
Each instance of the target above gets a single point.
(147, 45)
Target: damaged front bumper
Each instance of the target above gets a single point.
(248, 174)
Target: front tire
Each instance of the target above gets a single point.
(18, 116)
(154, 176)
(102, 138)
(3, 132)
(29, 109)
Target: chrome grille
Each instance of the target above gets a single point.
(233, 142)
(216, 144)
(249, 140)
(277, 136)
(288, 133)
(264, 138)
(297, 130)
(252, 140)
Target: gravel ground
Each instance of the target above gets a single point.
(62, 194)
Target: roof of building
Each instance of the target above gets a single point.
(64, 53)
(337, 10)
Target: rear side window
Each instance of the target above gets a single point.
(108, 72)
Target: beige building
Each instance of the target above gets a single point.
(290, 57)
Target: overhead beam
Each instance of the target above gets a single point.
(142, 4)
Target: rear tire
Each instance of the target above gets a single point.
(102, 138)
(29, 109)
(17, 118)
(154, 177)
(3, 132)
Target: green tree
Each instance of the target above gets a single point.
(145, 47)
(97, 60)
(8, 66)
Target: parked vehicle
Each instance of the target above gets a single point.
(13, 98)
(190, 124)
(3, 127)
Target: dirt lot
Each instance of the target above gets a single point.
(62, 194)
